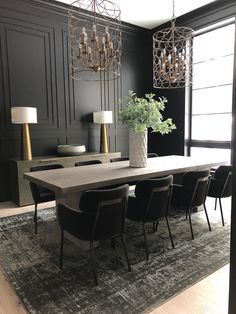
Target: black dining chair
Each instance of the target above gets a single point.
(123, 158)
(87, 162)
(39, 193)
(150, 204)
(221, 186)
(192, 193)
(151, 155)
(101, 216)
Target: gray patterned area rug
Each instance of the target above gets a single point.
(30, 263)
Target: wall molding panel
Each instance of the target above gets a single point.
(35, 72)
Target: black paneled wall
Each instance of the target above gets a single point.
(173, 143)
(34, 72)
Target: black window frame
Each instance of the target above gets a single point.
(189, 142)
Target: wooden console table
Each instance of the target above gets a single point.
(20, 190)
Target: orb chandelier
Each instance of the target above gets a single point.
(94, 39)
(172, 56)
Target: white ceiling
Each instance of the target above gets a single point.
(151, 13)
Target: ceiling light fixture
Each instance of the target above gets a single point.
(172, 56)
(94, 39)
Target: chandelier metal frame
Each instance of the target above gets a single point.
(94, 30)
(172, 56)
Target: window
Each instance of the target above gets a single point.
(211, 95)
(220, 152)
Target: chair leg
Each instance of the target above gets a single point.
(93, 264)
(186, 216)
(171, 239)
(190, 223)
(61, 248)
(221, 211)
(154, 226)
(35, 218)
(208, 221)
(215, 203)
(113, 243)
(145, 240)
(126, 252)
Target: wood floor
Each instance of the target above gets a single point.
(209, 296)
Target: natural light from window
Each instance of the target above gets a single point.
(211, 114)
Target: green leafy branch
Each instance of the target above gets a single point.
(139, 114)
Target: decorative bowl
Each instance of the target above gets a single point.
(71, 150)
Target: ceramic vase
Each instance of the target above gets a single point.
(137, 149)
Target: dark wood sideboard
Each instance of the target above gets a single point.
(20, 190)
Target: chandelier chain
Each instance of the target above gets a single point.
(173, 9)
(94, 11)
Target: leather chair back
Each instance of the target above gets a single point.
(155, 194)
(196, 185)
(38, 190)
(119, 159)
(87, 162)
(221, 182)
(223, 176)
(107, 208)
(151, 155)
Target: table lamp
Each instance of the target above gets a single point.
(24, 115)
(103, 118)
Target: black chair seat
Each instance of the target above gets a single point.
(180, 198)
(151, 203)
(214, 189)
(78, 223)
(39, 193)
(47, 196)
(192, 193)
(221, 186)
(136, 208)
(101, 217)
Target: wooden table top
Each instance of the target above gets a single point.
(68, 180)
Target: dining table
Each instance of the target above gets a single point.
(69, 183)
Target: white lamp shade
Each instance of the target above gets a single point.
(102, 117)
(21, 115)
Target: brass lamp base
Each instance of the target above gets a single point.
(103, 139)
(27, 153)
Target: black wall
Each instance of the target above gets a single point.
(34, 71)
(173, 143)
